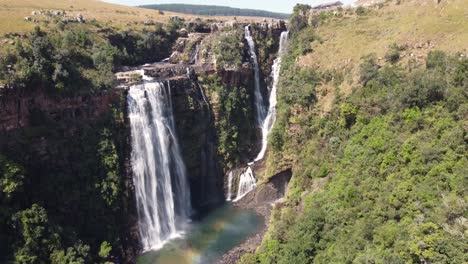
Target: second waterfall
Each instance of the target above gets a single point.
(159, 174)
(265, 119)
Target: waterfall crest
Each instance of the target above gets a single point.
(247, 180)
(159, 174)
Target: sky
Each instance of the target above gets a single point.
(282, 6)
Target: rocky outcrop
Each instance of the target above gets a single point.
(269, 193)
(21, 108)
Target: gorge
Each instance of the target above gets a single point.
(159, 170)
(130, 135)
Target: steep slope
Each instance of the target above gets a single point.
(373, 122)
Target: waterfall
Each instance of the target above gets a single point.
(271, 116)
(259, 104)
(194, 57)
(247, 180)
(229, 193)
(159, 174)
(246, 184)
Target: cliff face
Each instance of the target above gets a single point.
(72, 154)
(20, 109)
(214, 103)
(196, 131)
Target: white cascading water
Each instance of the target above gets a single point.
(229, 193)
(247, 180)
(159, 174)
(259, 104)
(271, 116)
(246, 184)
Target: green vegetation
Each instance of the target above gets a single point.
(228, 48)
(212, 10)
(234, 131)
(63, 202)
(393, 153)
(72, 59)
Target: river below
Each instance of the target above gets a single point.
(207, 239)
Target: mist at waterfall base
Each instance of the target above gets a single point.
(207, 239)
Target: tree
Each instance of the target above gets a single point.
(37, 237)
(298, 19)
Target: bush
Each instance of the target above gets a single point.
(436, 59)
(349, 114)
(369, 68)
(460, 76)
(393, 54)
(302, 44)
(424, 88)
(228, 50)
(361, 11)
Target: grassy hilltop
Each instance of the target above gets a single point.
(13, 12)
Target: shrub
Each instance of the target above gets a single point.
(393, 54)
(228, 50)
(460, 76)
(369, 68)
(424, 88)
(436, 59)
(360, 11)
(349, 114)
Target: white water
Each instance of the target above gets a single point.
(247, 180)
(259, 104)
(229, 194)
(271, 116)
(246, 184)
(194, 58)
(159, 174)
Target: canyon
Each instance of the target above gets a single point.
(183, 87)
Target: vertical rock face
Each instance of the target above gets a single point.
(19, 109)
(196, 131)
(198, 113)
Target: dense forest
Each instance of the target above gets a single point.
(212, 10)
(382, 177)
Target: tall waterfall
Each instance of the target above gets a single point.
(247, 180)
(161, 186)
(271, 116)
(259, 104)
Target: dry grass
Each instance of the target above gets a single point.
(13, 12)
(412, 24)
(346, 40)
